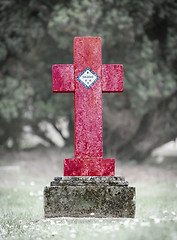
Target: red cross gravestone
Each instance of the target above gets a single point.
(88, 187)
(88, 78)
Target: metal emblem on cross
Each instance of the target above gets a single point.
(87, 78)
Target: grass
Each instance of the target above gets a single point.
(21, 216)
(21, 202)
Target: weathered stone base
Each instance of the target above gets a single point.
(89, 197)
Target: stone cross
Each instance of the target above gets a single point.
(88, 78)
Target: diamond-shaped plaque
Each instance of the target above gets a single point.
(87, 78)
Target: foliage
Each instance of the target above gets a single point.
(36, 34)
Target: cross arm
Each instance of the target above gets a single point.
(63, 78)
(112, 78)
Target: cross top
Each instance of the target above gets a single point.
(88, 78)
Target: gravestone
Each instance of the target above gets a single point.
(89, 187)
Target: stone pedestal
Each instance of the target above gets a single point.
(89, 197)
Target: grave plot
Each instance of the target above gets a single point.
(95, 190)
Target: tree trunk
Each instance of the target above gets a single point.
(156, 127)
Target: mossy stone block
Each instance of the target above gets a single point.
(91, 197)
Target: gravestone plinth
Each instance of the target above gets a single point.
(89, 187)
(89, 197)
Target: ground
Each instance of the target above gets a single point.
(24, 174)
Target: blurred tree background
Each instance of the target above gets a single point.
(141, 35)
